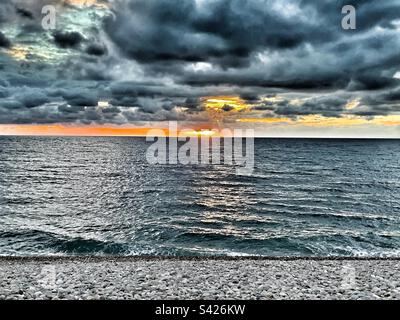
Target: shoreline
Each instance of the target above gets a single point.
(105, 258)
(204, 278)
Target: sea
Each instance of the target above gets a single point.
(78, 196)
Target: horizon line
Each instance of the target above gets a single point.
(194, 136)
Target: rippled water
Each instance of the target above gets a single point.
(99, 196)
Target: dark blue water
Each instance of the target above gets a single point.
(81, 196)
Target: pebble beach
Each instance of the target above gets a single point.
(196, 278)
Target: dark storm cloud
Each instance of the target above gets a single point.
(4, 41)
(67, 109)
(371, 82)
(392, 96)
(31, 98)
(111, 110)
(258, 80)
(335, 105)
(24, 13)
(3, 92)
(223, 32)
(132, 89)
(370, 13)
(326, 106)
(151, 59)
(119, 89)
(7, 10)
(81, 99)
(96, 49)
(192, 104)
(385, 103)
(250, 97)
(230, 34)
(76, 97)
(10, 104)
(68, 39)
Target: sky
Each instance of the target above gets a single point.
(285, 68)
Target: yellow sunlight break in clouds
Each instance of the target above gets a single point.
(219, 102)
(18, 52)
(219, 107)
(319, 121)
(87, 3)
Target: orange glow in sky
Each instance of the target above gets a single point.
(60, 130)
(68, 130)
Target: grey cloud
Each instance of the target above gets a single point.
(325, 106)
(32, 98)
(113, 110)
(145, 62)
(4, 41)
(4, 93)
(229, 35)
(11, 104)
(68, 39)
(96, 49)
(67, 109)
(223, 32)
(250, 97)
(81, 98)
(24, 13)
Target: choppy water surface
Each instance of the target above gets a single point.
(99, 196)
